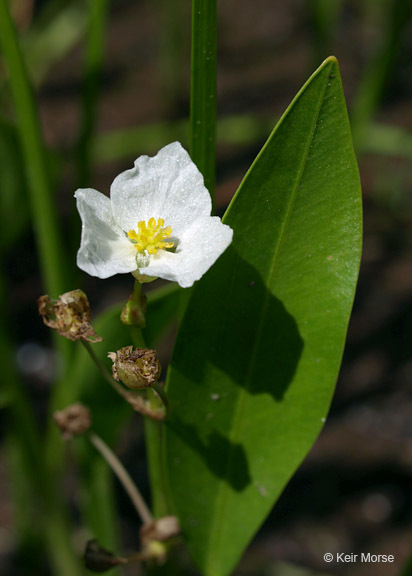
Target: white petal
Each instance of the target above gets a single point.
(199, 248)
(168, 186)
(104, 248)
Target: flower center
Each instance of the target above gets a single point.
(150, 237)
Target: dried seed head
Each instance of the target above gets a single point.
(70, 315)
(73, 420)
(97, 559)
(137, 369)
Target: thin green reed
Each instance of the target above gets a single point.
(203, 142)
(43, 203)
(50, 250)
(45, 220)
(203, 89)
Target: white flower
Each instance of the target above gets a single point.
(156, 222)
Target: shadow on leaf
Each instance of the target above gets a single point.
(214, 452)
(237, 338)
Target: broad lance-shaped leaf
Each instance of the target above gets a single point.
(258, 353)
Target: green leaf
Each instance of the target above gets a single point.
(258, 353)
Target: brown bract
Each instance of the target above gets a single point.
(70, 315)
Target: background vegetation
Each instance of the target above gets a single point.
(111, 81)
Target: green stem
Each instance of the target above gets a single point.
(123, 476)
(43, 204)
(203, 89)
(154, 432)
(154, 435)
(104, 372)
(163, 396)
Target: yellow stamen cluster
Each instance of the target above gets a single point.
(150, 237)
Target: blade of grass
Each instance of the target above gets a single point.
(203, 89)
(51, 256)
(43, 204)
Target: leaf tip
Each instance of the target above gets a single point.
(330, 60)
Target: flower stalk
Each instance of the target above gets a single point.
(133, 313)
(154, 447)
(104, 372)
(160, 391)
(120, 471)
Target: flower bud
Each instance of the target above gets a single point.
(133, 313)
(70, 315)
(137, 369)
(155, 552)
(73, 420)
(97, 559)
